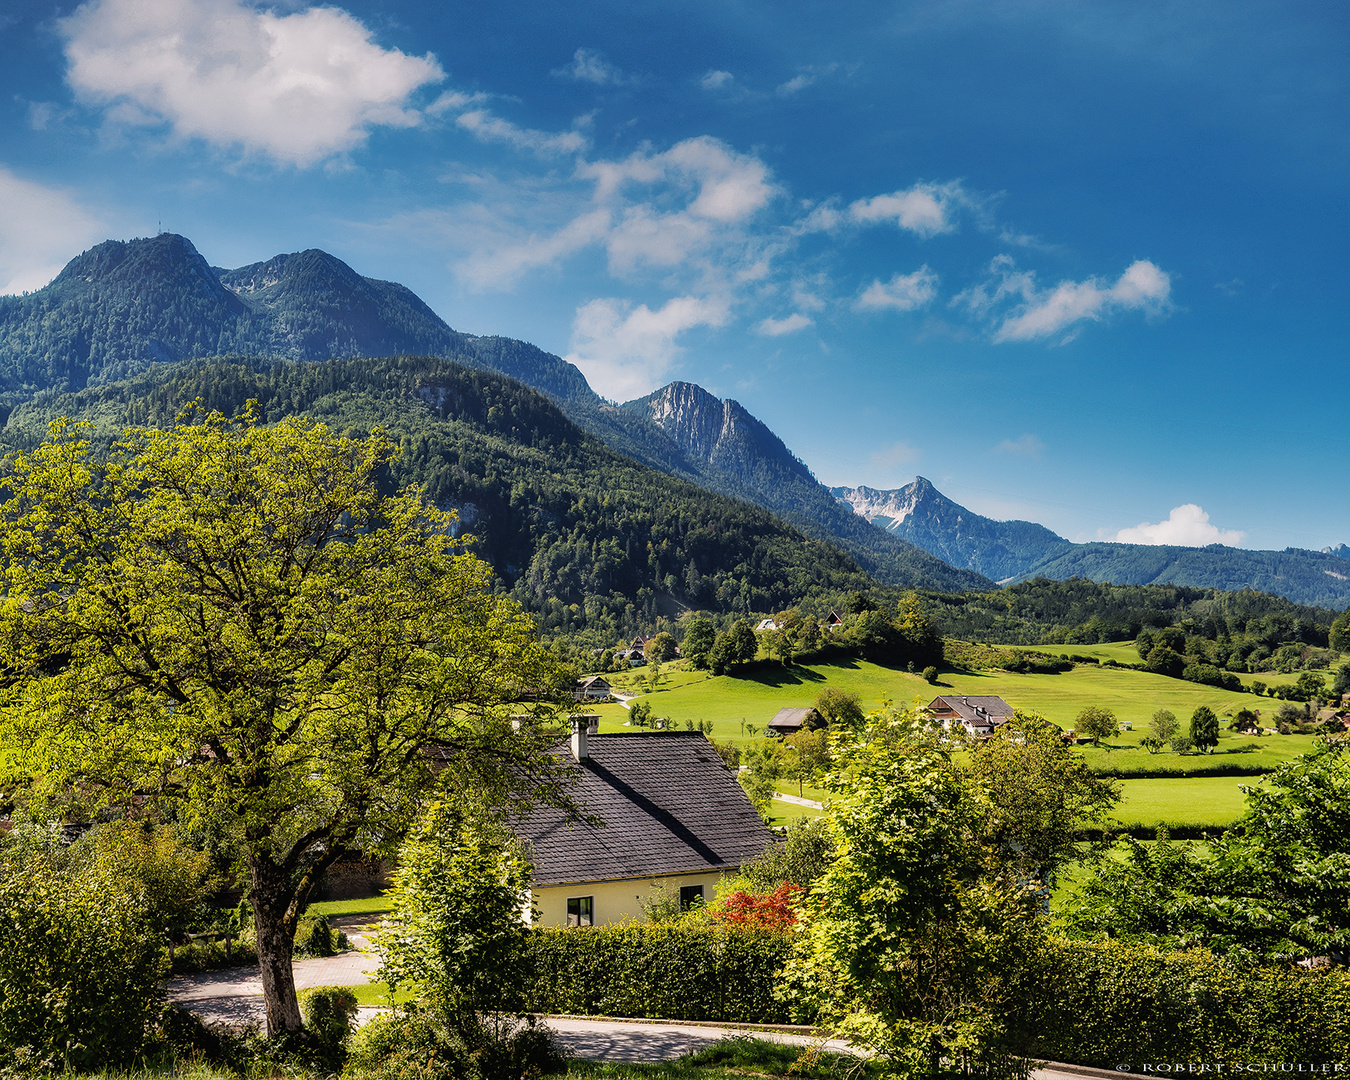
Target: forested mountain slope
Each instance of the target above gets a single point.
(594, 543)
(123, 306)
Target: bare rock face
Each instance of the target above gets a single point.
(918, 512)
(719, 433)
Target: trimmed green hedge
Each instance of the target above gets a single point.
(662, 971)
(1109, 1004)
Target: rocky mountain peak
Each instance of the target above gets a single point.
(716, 432)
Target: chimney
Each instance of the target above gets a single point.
(580, 730)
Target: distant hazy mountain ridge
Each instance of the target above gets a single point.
(918, 512)
(1020, 550)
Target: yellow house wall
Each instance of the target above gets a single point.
(614, 900)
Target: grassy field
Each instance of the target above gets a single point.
(1192, 801)
(740, 707)
(375, 905)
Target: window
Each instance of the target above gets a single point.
(691, 896)
(581, 910)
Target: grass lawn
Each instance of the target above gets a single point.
(375, 905)
(784, 813)
(1194, 801)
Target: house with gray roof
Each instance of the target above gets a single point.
(791, 721)
(979, 716)
(672, 814)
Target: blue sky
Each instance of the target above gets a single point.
(1081, 263)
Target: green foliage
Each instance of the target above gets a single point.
(80, 966)
(329, 1012)
(669, 970)
(699, 637)
(1038, 797)
(1097, 723)
(800, 859)
(839, 707)
(455, 931)
(917, 941)
(734, 646)
(1339, 636)
(419, 1043)
(1212, 625)
(1116, 1005)
(1272, 888)
(234, 617)
(1204, 728)
(315, 937)
(660, 648)
(930, 674)
(1163, 725)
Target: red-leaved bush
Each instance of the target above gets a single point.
(759, 911)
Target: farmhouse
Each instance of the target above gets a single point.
(791, 721)
(978, 715)
(672, 814)
(593, 688)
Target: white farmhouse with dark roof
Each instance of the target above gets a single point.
(978, 715)
(673, 814)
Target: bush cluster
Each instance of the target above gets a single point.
(670, 971)
(79, 970)
(1106, 1003)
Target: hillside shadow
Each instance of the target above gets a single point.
(778, 676)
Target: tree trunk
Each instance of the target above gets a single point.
(271, 902)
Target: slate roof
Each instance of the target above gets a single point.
(791, 719)
(978, 711)
(669, 806)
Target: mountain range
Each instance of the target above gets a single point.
(124, 309)
(1012, 551)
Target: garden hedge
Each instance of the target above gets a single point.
(1100, 1003)
(662, 971)
(1110, 1004)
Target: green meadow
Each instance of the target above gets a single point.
(740, 706)
(1192, 801)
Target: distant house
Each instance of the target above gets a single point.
(593, 688)
(766, 624)
(791, 721)
(672, 814)
(833, 621)
(979, 716)
(639, 643)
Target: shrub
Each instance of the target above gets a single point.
(79, 969)
(421, 1044)
(668, 971)
(316, 937)
(328, 1013)
(1110, 1004)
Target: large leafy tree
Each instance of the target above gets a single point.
(920, 941)
(234, 619)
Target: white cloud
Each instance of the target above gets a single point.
(789, 325)
(1027, 446)
(716, 80)
(626, 351)
(588, 65)
(730, 186)
(904, 292)
(1187, 526)
(298, 88)
(1044, 313)
(924, 209)
(808, 76)
(489, 128)
(41, 228)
